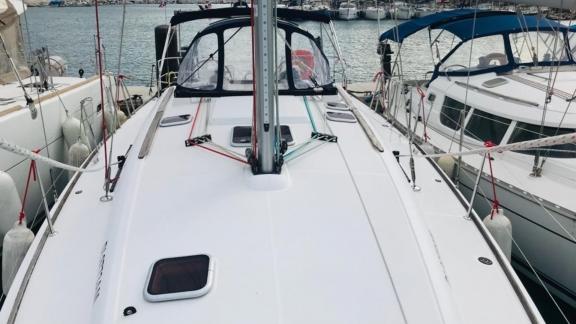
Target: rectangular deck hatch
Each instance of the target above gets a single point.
(175, 120)
(179, 278)
(242, 135)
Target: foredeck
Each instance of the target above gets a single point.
(338, 237)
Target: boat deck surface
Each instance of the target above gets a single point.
(338, 237)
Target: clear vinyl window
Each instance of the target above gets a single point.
(477, 54)
(309, 67)
(199, 68)
(542, 46)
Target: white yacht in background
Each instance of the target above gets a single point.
(347, 11)
(34, 110)
(423, 11)
(503, 93)
(262, 196)
(402, 11)
(375, 13)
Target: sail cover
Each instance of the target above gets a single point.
(10, 30)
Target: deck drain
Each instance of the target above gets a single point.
(485, 260)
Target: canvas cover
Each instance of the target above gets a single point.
(10, 11)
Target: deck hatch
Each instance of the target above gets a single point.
(179, 278)
(493, 83)
(175, 120)
(242, 135)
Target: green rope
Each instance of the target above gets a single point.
(309, 114)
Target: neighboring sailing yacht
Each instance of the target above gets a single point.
(504, 92)
(43, 110)
(262, 195)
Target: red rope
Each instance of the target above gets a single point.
(104, 129)
(495, 202)
(254, 139)
(223, 154)
(195, 118)
(31, 175)
(376, 76)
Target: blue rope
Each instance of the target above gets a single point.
(309, 114)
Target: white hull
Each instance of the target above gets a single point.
(347, 13)
(536, 231)
(375, 14)
(17, 126)
(423, 13)
(543, 242)
(403, 13)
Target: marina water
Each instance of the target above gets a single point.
(69, 32)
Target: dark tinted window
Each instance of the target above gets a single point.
(451, 113)
(527, 132)
(487, 127)
(181, 274)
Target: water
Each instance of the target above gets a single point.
(69, 32)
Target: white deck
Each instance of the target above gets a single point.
(338, 237)
(542, 209)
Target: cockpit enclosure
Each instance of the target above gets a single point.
(218, 61)
(489, 41)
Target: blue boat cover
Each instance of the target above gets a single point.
(461, 22)
(496, 25)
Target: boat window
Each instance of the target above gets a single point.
(527, 132)
(545, 46)
(477, 54)
(572, 43)
(483, 126)
(309, 67)
(238, 60)
(199, 68)
(179, 278)
(451, 113)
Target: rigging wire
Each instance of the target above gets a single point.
(102, 104)
(28, 38)
(462, 113)
(254, 137)
(548, 293)
(118, 69)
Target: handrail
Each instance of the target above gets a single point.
(497, 95)
(145, 149)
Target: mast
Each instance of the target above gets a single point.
(266, 110)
